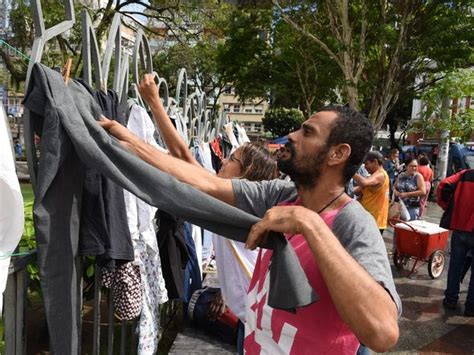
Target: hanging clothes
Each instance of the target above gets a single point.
(206, 156)
(140, 217)
(192, 279)
(178, 121)
(229, 131)
(104, 230)
(242, 136)
(59, 174)
(173, 252)
(11, 203)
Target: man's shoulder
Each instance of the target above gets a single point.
(353, 221)
(257, 197)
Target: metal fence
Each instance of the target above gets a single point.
(15, 325)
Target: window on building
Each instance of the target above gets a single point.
(226, 108)
(258, 127)
(236, 108)
(248, 109)
(258, 109)
(228, 90)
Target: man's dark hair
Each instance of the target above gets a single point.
(353, 128)
(374, 155)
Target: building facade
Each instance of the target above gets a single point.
(248, 114)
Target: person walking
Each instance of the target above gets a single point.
(427, 173)
(374, 189)
(409, 187)
(455, 195)
(335, 239)
(392, 167)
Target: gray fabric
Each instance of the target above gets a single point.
(354, 226)
(71, 113)
(359, 235)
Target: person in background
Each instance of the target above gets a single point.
(409, 187)
(425, 171)
(18, 149)
(374, 189)
(235, 263)
(392, 167)
(455, 195)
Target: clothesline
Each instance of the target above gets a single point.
(4, 43)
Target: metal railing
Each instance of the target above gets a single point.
(15, 307)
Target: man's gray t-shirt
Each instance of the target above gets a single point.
(353, 226)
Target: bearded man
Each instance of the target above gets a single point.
(336, 240)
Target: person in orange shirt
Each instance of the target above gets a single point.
(425, 171)
(374, 189)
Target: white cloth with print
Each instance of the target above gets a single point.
(140, 217)
(235, 266)
(229, 131)
(11, 204)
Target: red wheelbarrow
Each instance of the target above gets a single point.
(422, 241)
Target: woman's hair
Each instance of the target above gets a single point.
(409, 160)
(423, 160)
(257, 163)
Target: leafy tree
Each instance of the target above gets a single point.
(442, 116)
(58, 49)
(281, 121)
(380, 47)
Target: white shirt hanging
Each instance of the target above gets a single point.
(140, 217)
(11, 204)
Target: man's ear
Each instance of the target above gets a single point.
(339, 154)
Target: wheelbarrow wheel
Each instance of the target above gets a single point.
(436, 264)
(399, 260)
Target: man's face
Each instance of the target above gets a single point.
(304, 156)
(371, 165)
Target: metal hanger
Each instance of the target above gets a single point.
(42, 36)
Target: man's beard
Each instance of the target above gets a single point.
(307, 174)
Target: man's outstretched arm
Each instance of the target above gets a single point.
(188, 173)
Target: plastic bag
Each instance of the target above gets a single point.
(398, 210)
(404, 214)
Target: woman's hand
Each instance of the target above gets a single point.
(125, 137)
(149, 90)
(216, 307)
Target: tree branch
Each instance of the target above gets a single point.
(309, 35)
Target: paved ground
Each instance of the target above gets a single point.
(425, 327)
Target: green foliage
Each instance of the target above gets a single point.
(244, 57)
(281, 121)
(28, 240)
(436, 118)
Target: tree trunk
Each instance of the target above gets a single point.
(442, 163)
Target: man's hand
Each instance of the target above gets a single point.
(126, 138)
(282, 219)
(149, 90)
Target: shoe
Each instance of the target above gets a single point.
(452, 305)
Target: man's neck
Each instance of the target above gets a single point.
(317, 197)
